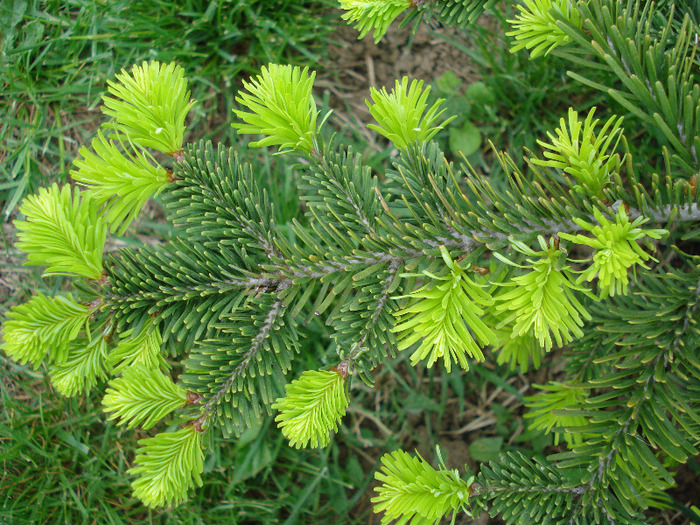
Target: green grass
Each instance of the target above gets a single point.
(56, 58)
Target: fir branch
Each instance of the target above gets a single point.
(616, 249)
(155, 296)
(583, 154)
(43, 327)
(459, 13)
(142, 347)
(545, 411)
(622, 36)
(412, 490)
(443, 317)
(381, 302)
(83, 367)
(339, 176)
(255, 346)
(250, 343)
(62, 231)
(664, 357)
(120, 182)
(542, 301)
(618, 459)
(281, 106)
(171, 281)
(167, 466)
(526, 490)
(218, 202)
(312, 407)
(373, 14)
(402, 116)
(142, 396)
(363, 324)
(536, 28)
(150, 105)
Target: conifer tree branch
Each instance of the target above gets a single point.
(666, 355)
(210, 406)
(381, 302)
(278, 276)
(231, 291)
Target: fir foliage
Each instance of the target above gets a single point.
(389, 263)
(167, 466)
(652, 67)
(241, 370)
(43, 327)
(541, 301)
(519, 351)
(412, 491)
(443, 314)
(120, 180)
(150, 105)
(312, 407)
(643, 407)
(83, 367)
(142, 396)
(460, 13)
(361, 321)
(142, 347)
(402, 116)
(616, 249)
(150, 281)
(373, 14)
(581, 153)
(536, 27)
(525, 490)
(281, 106)
(219, 203)
(62, 231)
(546, 411)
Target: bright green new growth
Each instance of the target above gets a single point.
(582, 153)
(543, 406)
(281, 106)
(542, 301)
(313, 406)
(119, 179)
(43, 327)
(517, 351)
(616, 249)
(150, 106)
(536, 29)
(402, 116)
(168, 465)
(63, 232)
(414, 492)
(442, 315)
(144, 348)
(373, 14)
(83, 367)
(142, 396)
